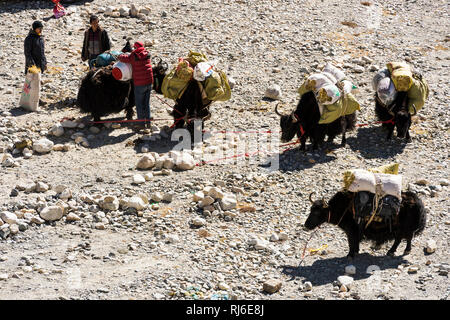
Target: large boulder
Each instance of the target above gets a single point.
(185, 162)
(146, 162)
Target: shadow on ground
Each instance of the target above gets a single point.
(326, 271)
(371, 143)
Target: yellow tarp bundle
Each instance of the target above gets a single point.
(389, 168)
(172, 86)
(417, 94)
(347, 104)
(401, 75)
(196, 57)
(217, 87)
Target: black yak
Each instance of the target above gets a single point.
(396, 115)
(193, 104)
(303, 121)
(100, 94)
(410, 221)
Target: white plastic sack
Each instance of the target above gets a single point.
(202, 71)
(337, 74)
(317, 81)
(29, 99)
(363, 181)
(330, 77)
(386, 91)
(389, 184)
(328, 94)
(347, 87)
(383, 73)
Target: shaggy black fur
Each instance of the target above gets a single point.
(100, 94)
(411, 221)
(307, 118)
(190, 106)
(398, 111)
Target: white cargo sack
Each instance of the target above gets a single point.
(383, 73)
(389, 184)
(386, 91)
(328, 94)
(202, 71)
(337, 74)
(359, 180)
(29, 99)
(122, 71)
(381, 184)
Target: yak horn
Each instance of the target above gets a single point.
(310, 197)
(415, 111)
(276, 110)
(294, 118)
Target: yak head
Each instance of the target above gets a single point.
(127, 47)
(289, 125)
(402, 117)
(159, 72)
(319, 213)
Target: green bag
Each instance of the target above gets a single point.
(196, 57)
(418, 93)
(173, 87)
(217, 87)
(344, 106)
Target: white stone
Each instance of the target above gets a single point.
(52, 213)
(157, 197)
(372, 268)
(57, 130)
(206, 201)
(185, 162)
(69, 124)
(146, 162)
(169, 163)
(345, 280)
(136, 202)
(8, 217)
(8, 160)
(274, 237)
(124, 11)
(37, 220)
(224, 286)
(273, 92)
(66, 194)
(43, 145)
(109, 203)
(216, 193)
(308, 286)
(231, 82)
(199, 222)
(172, 238)
(168, 197)
(4, 276)
(41, 187)
(229, 202)
(138, 179)
(431, 246)
(261, 244)
(198, 196)
(148, 176)
(350, 269)
(72, 217)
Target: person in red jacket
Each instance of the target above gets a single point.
(140, 62)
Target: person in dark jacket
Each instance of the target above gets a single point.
(96, 41)
(140, 62)
(34, 48)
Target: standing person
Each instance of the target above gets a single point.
(139, 59)
(96, 41)
(34, 48)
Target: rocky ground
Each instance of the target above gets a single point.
(79, 220)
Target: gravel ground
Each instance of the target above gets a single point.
(173, 249)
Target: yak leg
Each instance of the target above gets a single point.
(408, 137)
(408, 245)
(353, 237)
(303, 143)
(394, 247)
(390, 129)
